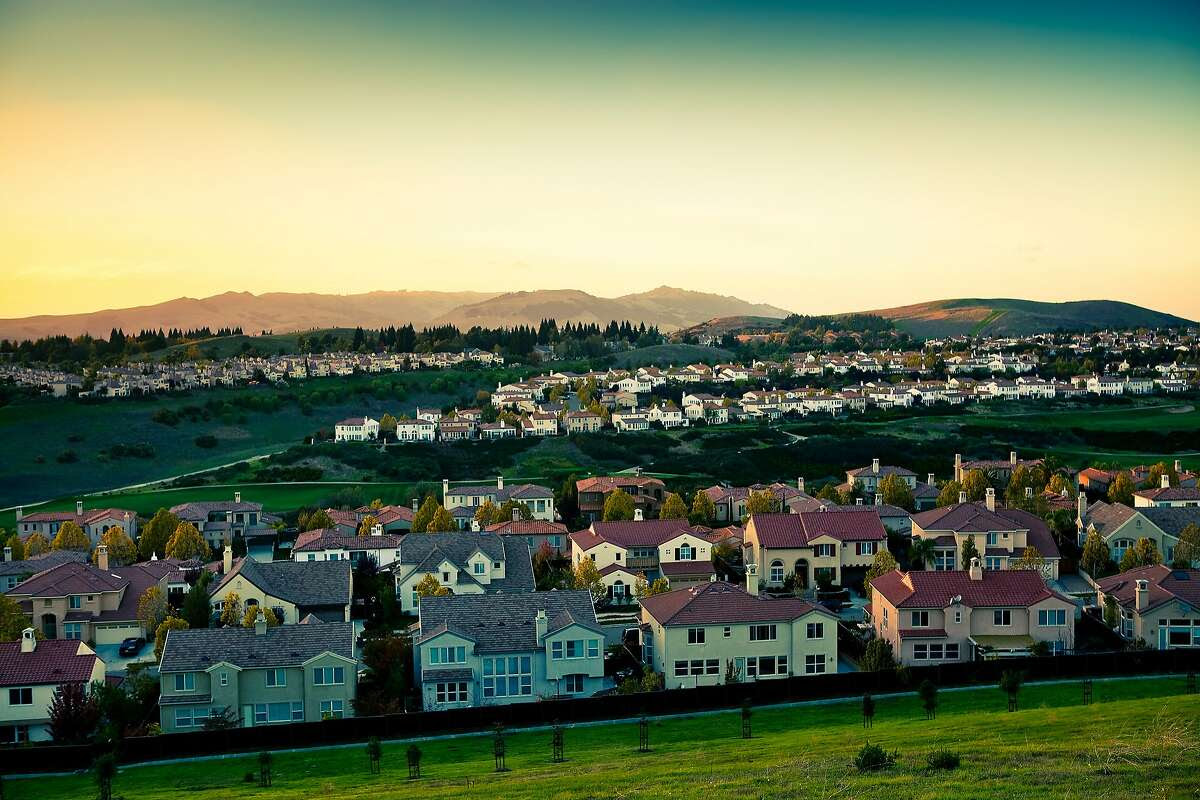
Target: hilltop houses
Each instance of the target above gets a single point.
(94, 522)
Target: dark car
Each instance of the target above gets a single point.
(132, 646)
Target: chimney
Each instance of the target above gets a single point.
(8, 554)
(416, 505)
(1081, 505)
(445, 489)
(101, 557)
(1166, 481)
(1028, 492)
(79, 508)
(637, 515)
(752, 579)
(990, 499)
(377, 530)
(227, 560)
(800, 484)
(28, 641)
(237, 497)
(516, 515)
(976, 571)
(1178, 465)
(875, 465)
(957, 465)
(475, 525)
(540, 625)
(1141, 594)
(858, 501)
(499, 482)
(637, 471)
(260, 624)
(879, 498)
(20, 513)
(930, 480)
(1012, 457)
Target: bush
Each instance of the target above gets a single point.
(872, 758)
(67, 457)
(206, 441)
(942, 759)
(878, 656)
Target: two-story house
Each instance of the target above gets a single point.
(261, 675)
(647, 493)
(30, 674)
(465, 562)
(666, 548)
(869, 477)
(507, 648)
(536, 533)
(837, 546)
(356, 429)
(416, 430)
(538, 499)
(583, 422)
(699, 635)
(730, 501)
(291, 589)
(1158, 605)
(999, 471)
(332, 544)
(1121, 526)
(221, 521)
(1167, 496)
(931, 616)
(13, 572)
(94, 522)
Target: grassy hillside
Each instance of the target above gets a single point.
(1137, 734)
(1021, 317)
(663, 355)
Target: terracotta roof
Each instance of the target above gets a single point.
(975, 518)
(798, 530)
(526, 527)
(1170, 493)
(682, 568)
(644, 533)
(87, 518)
(935, 589)
(1164, 584)
(53, 661)
(81, 578)
(720, 603)
(607, 483)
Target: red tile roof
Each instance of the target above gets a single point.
(975, 518)
(53, 661)
(607, 483)
(798, 530)
(929, 589)
(1164, 584)
(720, 603)
(645, 533)
(526, 527)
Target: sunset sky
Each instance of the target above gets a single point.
(792, 153)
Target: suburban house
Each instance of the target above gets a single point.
(1158, 605)
(963, 615)
(695, 636)
(261, 675)
(331, 544)
(998, 471)
(814, 545)
(538, 499)
(1121, 526)
(507, 648)
(13, 572)
(1167, 496)
(1000, 535)
(291, 589)
(465, 562)
(356, 429)
(583, 422)
(869, 477)
(94, 523)
(416, 430)
(730, 501)
(30, 674)
(95, 604)
(220, 521)
(647, 493)
(657, 548)
(535, 532)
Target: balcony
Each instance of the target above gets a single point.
(650, 562)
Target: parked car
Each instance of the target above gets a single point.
(132, 646)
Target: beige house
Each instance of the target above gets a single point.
(94, 522)
(583, 422)
(647, 493)
(812, 545)
(656, 548)
(699, 635)
(291, 589)
(538, 499)
(1167, 496)
(30, 674)
(1158, 605)
(932, 616)
(1121, 526)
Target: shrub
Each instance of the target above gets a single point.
(878, 656)
(942, 759)
(872, 758)
(67, 457)
(206, 441)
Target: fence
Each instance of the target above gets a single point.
(58, 758)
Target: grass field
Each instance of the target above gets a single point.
(664, 355)
(1138, 739)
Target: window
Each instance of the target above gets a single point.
(726, 632)
(416, 599)
(277, 677)
(993, 563)
(920, 619)
(312, 556)
(1002, 616)
(824, 551)
(447, 655)
(508, 676)
(685, 553)
(1052, 617)
(943, 560)
(575, 648)
(572, 684)
(20, 697)
(695, 635)
(776, 572)
(864, 548)
(993, 538)
(762, 633)
(814, 664)
(952, 651)
(72, 630)
(445, 577)
(479, 567)
(815, 630)
(76, 601)
(766, 665)
(224, 678)
(885, 618)
(185, 718)
(957, 616)
(329, 676)
(278, 712)
(185, 681)
(451, 692)
(681, 669)
(332, 709)
(593, 648)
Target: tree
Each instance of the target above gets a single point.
(1112, 613)
(762, 502)
(487, 514)
(1096, 556)
(36, 544)
(586, 576)
(160, 636)
(1156, 473)
(424, 514)
(251, 616)
(975, 483)
(618, 506)
(969, 551)
(121, 549)
(1121, 489)
(388, 664)
(878, 656)
(1143, 553)
(367, 525)
(387, 425)
(928, 693)
(673, 507)
(71, 537)
(1031, 558)
(197, 608)
(883, 563)
(314, 520)
(566, 500)
(187, 543)
(1022, 478)
(505, 512)
(12, 619)
(1058, 482)
(829, 492)
(231, 609)
(850, 495)
(154, 535)
(1010, 684)
(896, 492)
(704, 510)
(105, 769)
(18, 548)
(429, 586)
(74, 714)
(921, 552)
(152, 608)
(442, 522)
(1188, 549)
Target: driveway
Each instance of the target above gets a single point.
(116, 664)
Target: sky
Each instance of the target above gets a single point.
(821, 156)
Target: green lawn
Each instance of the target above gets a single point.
(1138, 739)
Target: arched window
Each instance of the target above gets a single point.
(776, 572)
(1119, 546)
(618, 590)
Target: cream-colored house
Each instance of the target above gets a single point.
(1158, 605)
(666, 548)
(30, 673)
(931, 616)
(291, 589)
(1121, 526)
(837, 545)
(465, 562)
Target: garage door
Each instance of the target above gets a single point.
(114, 632)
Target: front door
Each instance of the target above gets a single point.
(49, 626)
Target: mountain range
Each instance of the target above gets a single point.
(283, 312)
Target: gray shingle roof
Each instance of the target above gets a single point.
(282, 646)
(425, 551)
(35, 564)
(1172, 521)
(504, 623)
(303, 583)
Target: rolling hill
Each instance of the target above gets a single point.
(282, 312)
(999, 317)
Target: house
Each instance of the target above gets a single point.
(507, 648)
(1167, 496)
(1158, 605)
(221, 522)
(13, 572)
(465, 562)
(455, 429)
(925, 494)
(1000, 535)
(535, 532)
(698, 635)
(814, 545)
(291, 589)
(998, 471)
(541, 423)
(626, 421)
(356, 429)
(668, 415)
(538, 499)
(1121, 526)
(331, 544)
(936, 616)
(94, 523)
(583, 422)
(647, 493)
(730, 501)
(260, 675)
(656, 548)
(869, 478)
(30, 674)
(416, 430)
(497, 430)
